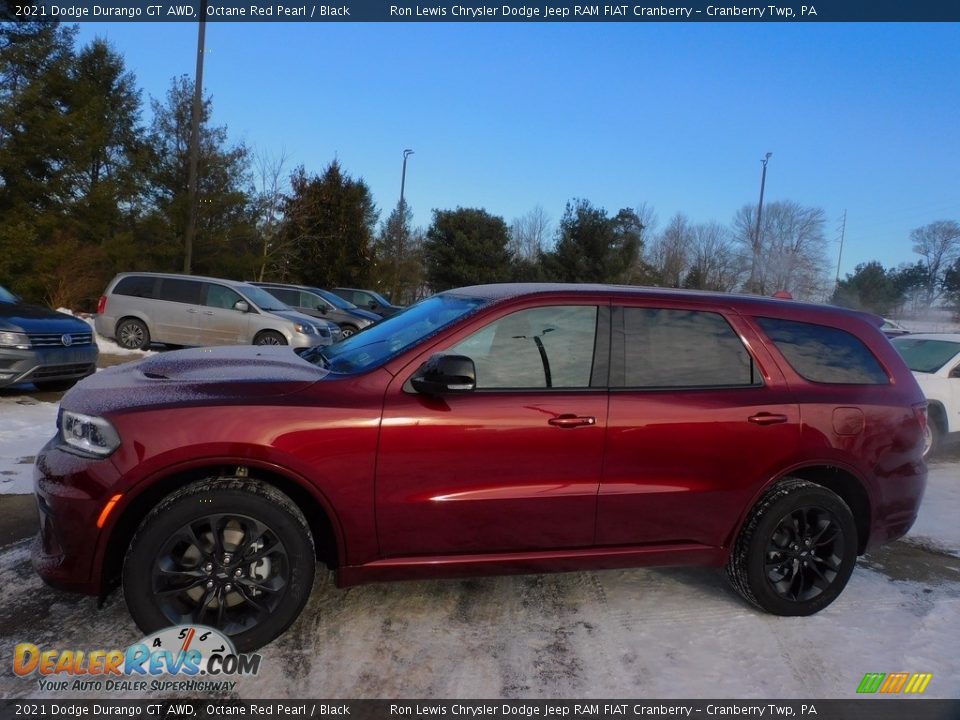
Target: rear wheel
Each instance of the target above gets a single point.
(132, 334)
(933, 433)
(269, 337)
(233, 554)
(796, 551)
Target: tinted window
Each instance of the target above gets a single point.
(7, 296)
(136, 286)
(219, 296)
(662, 348)
(824, 354)
(313, 301)
(184, 291)
(536, 348)
(284, 295)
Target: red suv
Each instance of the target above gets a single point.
(499, 428)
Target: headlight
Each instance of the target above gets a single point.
(304, 329)
(14, 339)
(92, 435)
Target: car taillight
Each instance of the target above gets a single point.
(102, 305)
(920, 411)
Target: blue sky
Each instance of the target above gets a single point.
(506, 116)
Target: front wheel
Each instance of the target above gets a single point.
(233, 554)
(796, 551)
(269, 337)
(348, 330)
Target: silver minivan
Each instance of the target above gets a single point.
(139, 308)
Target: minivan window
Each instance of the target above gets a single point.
(545, 347)
(183, 291)
(136, 286)
(667, 348)
(824, 354)
(262, 299)
(219, 296)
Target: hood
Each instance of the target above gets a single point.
(299, 317)
(202, 375)
(34, 318)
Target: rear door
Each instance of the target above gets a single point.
(176, 313)
(700, 416)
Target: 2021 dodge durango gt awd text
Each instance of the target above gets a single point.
(499, 428)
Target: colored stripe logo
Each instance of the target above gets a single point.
(908, 683)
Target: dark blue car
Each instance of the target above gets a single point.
(52, 350)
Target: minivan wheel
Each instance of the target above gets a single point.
(796, 551)
(347, 330)
(232, 554)
(269, 337)
(133, 334)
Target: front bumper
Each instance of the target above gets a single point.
(71, 493)
(46, 364)
(302, 340)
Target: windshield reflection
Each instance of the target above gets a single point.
(392, 336)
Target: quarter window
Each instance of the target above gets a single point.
(824, 354)
(548, 347)
(136, 286)
(666, 348)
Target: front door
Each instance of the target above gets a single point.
(512, 466)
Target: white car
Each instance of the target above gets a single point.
(934, 359)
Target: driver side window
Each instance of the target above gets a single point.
(547, 347)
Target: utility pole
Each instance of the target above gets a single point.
(192, 203)
(401, 231)
(843, 231)
(756, 232)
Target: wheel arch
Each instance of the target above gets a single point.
(324, 526)
(839, 480)
(133, 316)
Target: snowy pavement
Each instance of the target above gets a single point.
(631, 633)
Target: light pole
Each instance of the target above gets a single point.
(403, 177)
(756, 232)
(194, 144)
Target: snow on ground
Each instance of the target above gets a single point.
(939, 520)
(25, 426)
(106, 346)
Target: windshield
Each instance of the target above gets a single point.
(261, 298)
(926, 356)
(335, 300)
(380, 299)
(387, 338)
(7, 296)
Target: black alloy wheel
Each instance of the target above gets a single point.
(804, 553)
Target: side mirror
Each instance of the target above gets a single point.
(372, 304)
(241, 305)
(445, 374)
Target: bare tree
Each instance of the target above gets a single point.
(939, 245)
(790, 251)
(270, 187)
(528, 234)
(714, 262)
(670, 252)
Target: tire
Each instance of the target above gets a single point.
(933, 435)
(348, 330)
(774, 567)
(190, 562)
(133, 334)
(269, 337)
(55, 385)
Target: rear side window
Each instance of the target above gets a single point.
(824, 354)
(184, 291)
(665, 348)
(136, 286)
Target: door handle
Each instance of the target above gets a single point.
(208, 312)
(572, 421)
(191, 310)
(766, 418)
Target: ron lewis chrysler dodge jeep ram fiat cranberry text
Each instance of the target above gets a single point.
(490, 429)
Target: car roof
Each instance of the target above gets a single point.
(749, 304)
(181, 276)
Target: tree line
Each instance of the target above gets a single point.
(89, 188)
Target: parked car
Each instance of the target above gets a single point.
(500, 428)
(368, 300)
(50, 349)
(934, 359)
(322, 304)
(139, 308)
(891, 328)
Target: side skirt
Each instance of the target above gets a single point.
(460, 566)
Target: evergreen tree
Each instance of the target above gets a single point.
(400, 268)
(466, 246)
(329, 222)
(593, 247)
